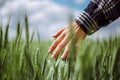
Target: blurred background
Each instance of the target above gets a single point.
(47, 16)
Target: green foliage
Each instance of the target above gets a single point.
(1, 36)
(27, 30)
(29, 60)
(6, 35)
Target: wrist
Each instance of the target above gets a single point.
(81, 30)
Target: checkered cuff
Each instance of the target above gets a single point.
(86, 22)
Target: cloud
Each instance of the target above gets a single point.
(2, 2)
(44, 15)
(80, 1)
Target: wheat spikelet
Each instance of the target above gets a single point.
(18, 29)
(27, 29)
(1, 36)
(36, 58)
(6, 34)
(36, 64)
(50, 74)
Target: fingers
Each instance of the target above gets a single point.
(60, 47)
(66, 51)
(58, 33)
(56, 42)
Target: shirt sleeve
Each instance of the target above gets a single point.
(99, 13)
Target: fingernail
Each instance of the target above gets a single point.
(52, 56)
(62, 58)
(53, 35)
(49, 50)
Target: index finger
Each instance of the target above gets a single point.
(58, 33)
(56, 42)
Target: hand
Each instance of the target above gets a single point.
(64, 38)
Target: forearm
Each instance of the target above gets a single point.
(99, 13)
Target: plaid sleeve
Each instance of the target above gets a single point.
(99, 13)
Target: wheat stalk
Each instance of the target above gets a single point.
(6, 34)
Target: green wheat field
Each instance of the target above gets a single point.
(28, 59)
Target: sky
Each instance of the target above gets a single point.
(47, 16)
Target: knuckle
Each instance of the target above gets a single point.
(61, 45)
(53, 46)
(55, 42)
(55, 54)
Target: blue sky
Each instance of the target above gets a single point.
(76, 4)
(47, 16)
